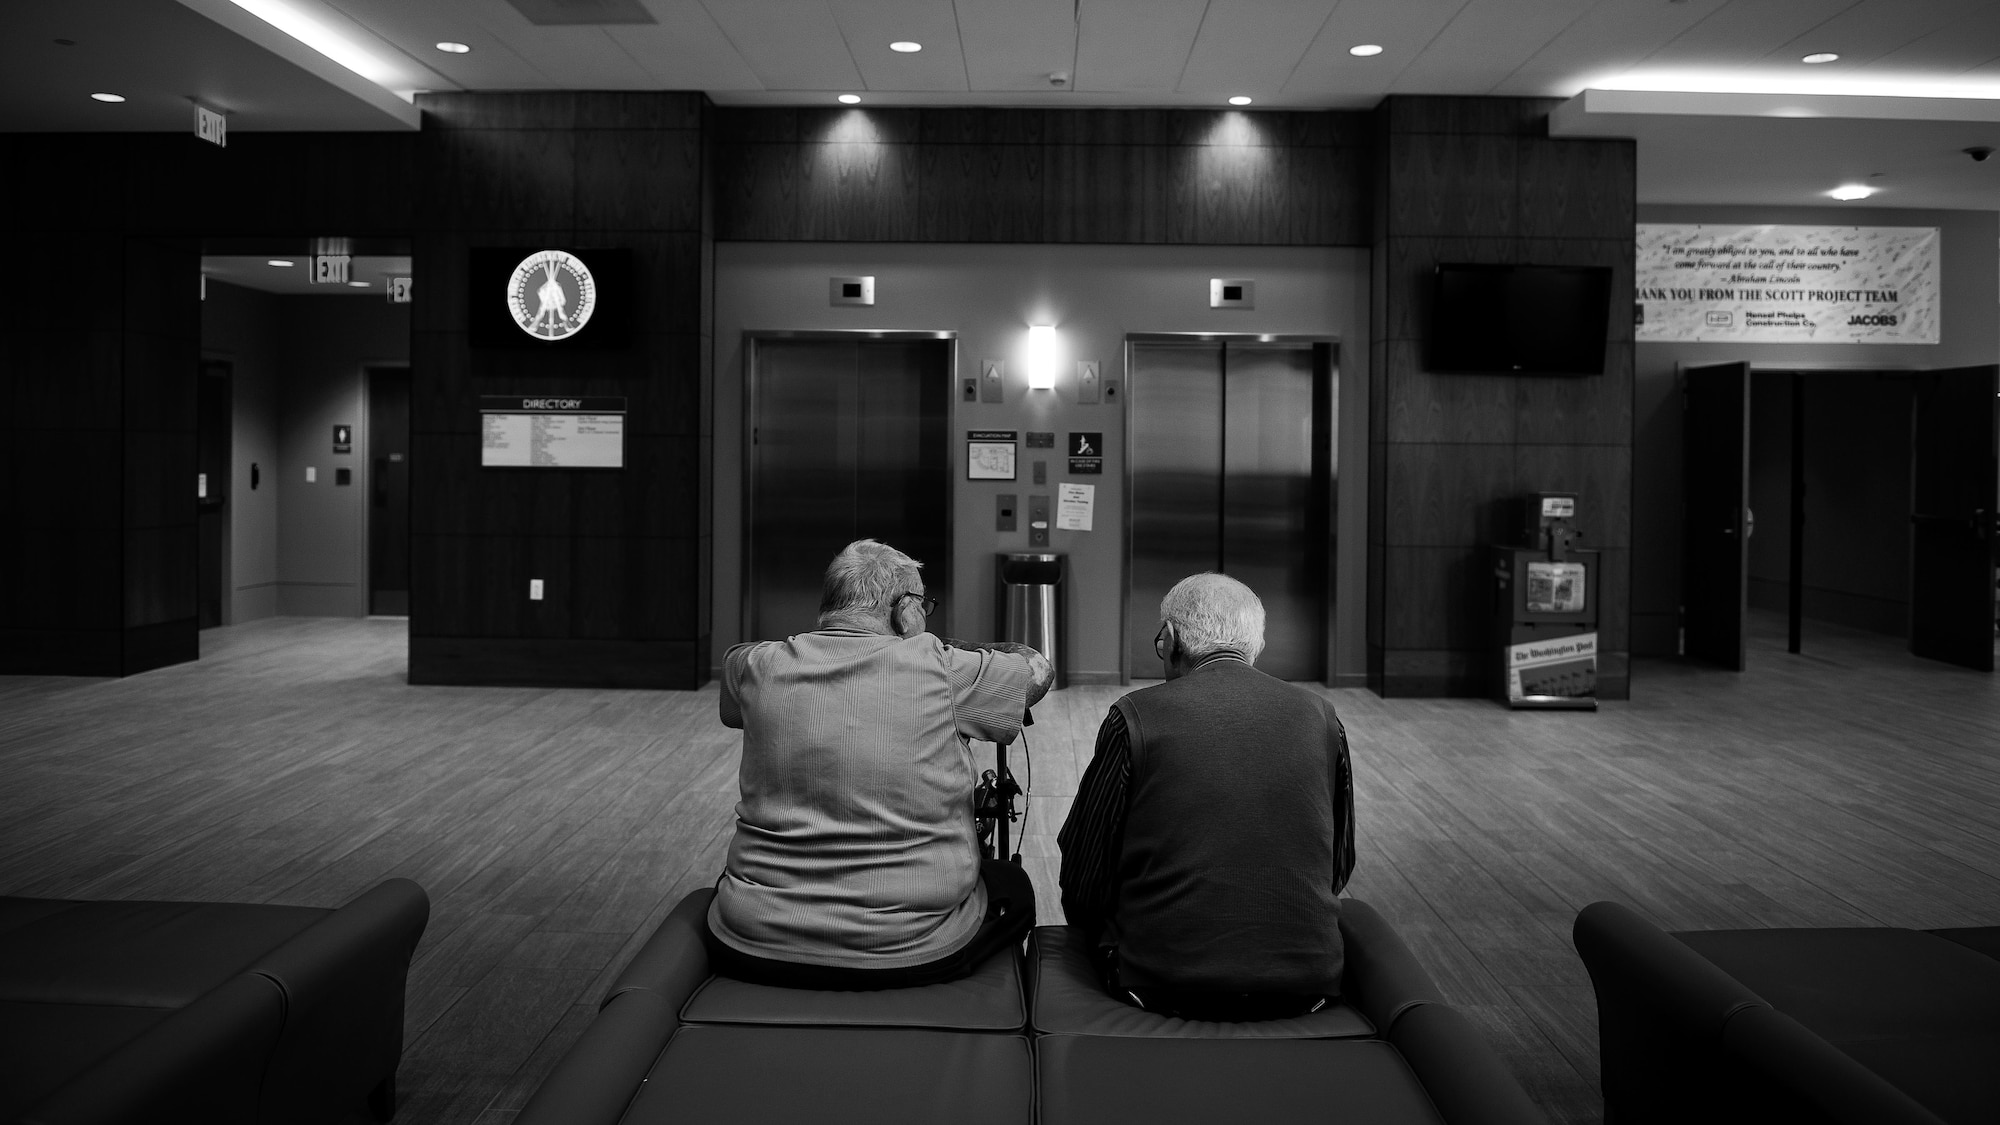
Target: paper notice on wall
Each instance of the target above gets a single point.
(1074, 506)
(1771, 283)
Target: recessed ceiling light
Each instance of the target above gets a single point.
(1365, 49)
(279, 262)
(906, 46)
(108, 97)
(450, 48)
(850, 99)
(1239, 100)
(1821, 57)
(358, 284)
(1847, 192)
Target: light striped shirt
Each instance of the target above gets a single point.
(854, 842)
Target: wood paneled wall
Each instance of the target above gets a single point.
(97, 498)
(1479, 180)
(624, 554)
(1025, 175)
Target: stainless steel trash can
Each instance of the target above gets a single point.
(1029, 610)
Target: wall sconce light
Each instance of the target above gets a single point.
(1041, 357)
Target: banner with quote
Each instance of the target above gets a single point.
(1710, 283)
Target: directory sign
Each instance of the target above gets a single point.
(551, 432)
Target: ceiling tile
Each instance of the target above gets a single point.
(1487, 41)
(1251, 46)
(1135, 45)
(1609, 39)
(1017, 44)
(869, 26)
(1402, 28)
(788, 44)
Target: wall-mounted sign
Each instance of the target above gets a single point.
(1086, 452)
(398, 289)
(989, 454)
(211, 126)
(1075, 505)
(551, 295)
(343, 439)
(1700, 282)
(330, 261)
(551, 432)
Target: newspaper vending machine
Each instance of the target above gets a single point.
(1545, 609)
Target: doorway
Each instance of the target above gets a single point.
(214, 399)
(848, 439)
(389, 491)
(1864, 499)
(1230, 444)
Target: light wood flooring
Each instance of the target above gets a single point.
(1854, 785)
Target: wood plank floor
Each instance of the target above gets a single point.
(1854, 785)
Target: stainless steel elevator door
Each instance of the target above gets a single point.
(848, 441)
(1231, 458)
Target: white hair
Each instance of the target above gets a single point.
(867, 577)
(1212, 612)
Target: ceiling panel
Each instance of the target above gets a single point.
(1402, 28)
(1135, 45)
(1252, 46)
(1487, 41)
(1744, 33)
(1964, 46)
(493, 63)
(1872, 28)
(1611, 38)
(1017, 44)
(157, 55)
(869, 26)
(788, 44)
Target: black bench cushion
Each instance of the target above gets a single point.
(1852, 985)
(1110, 1080)
(42, 1045)
(877, 1076)
(1069, 1000)
(988, 1000)
(139, 954)
(1979, 939)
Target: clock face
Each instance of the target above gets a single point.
(551, 295)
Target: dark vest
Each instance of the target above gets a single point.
(1236, 837)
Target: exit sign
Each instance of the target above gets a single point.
(329, 269)
(399, 290)
(211, 126)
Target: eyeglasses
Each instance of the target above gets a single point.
(925, 605)
(1160, 640)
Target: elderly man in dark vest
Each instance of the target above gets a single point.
(1214, 828)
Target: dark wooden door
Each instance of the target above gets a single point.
(212, 451)
(1953, 476)
(389, 490)
(1715, 500)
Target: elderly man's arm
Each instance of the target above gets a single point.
(993, 685)
(1044, 673)
(734, 663)
(1094, 834)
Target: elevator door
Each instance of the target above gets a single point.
(848, 441)
(1231, 454)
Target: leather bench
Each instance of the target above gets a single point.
(1858, 1024)
(211, 1012)
(1389, 1050)
(673, 1042)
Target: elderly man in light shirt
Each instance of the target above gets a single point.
(855, 864)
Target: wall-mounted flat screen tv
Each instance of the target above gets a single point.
(1519, 319)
